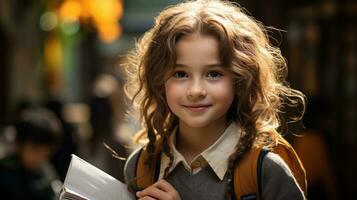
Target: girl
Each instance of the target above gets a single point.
(209, 87)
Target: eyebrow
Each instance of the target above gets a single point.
(209, 65)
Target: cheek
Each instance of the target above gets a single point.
(224, 91)
(173, 91)
(225, 98)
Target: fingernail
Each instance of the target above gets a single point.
(138, 193)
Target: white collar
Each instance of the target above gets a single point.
(216, 155)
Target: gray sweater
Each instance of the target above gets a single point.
(277, 181)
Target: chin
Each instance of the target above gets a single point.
(197, 124)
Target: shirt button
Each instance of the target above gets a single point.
(196, 164)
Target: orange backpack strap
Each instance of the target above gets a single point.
(245, 180)
(145, 176)
(247, 177)
(290, 157)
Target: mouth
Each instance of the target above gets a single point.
(197, 107)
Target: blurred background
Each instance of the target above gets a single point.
(64, 56)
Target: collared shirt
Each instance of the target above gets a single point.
(278, 183)
(216, 156)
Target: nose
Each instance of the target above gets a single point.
(196, 90)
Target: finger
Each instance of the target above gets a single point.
(167, 188)
(152, 192)
(147, 198)
(164, 185)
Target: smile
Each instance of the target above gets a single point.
(197, 108)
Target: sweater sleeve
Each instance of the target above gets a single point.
(130, 169)
(278, 182)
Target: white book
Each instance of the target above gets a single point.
(84, 181)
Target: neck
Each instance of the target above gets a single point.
(191, 141)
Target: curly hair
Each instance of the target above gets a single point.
(259, 71)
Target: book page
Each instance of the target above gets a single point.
(92, 183)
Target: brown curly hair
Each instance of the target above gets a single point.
(258, 68)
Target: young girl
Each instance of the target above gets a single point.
(209, 87)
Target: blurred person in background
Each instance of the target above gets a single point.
(26, 173)
(68, 145)
(104, 119)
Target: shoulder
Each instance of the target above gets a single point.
(272, 162)
(278, 181)
(130, 165)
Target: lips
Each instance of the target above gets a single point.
(197, 107)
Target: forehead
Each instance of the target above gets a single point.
(197, 49)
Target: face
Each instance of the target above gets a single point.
(34, 155)
(200, 91)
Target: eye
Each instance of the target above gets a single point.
(180, 74)
(214, 74)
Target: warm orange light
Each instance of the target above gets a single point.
(105, 14)
(109, 33)
(53, 63)
(52, 53)
(104, 10)
(70, 10)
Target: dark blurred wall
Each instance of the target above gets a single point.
(3, 75)
(20, 41)
(318, 38)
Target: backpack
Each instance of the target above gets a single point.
(248, 171)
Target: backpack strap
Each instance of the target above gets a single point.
(145, 176)
(262, 154)
(288, 154)
(247, 175)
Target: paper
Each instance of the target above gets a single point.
(84, 181)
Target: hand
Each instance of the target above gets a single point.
(161, 190)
